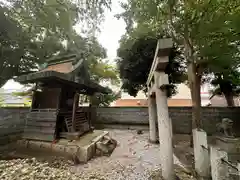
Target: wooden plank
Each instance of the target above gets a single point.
(36, 127)
(81, 116)
(46, 111)
(33, 98)
(41, 124)
(41, 117)
(39, 127)
(81, 121)
(68, 125)
(39, 131)
(36, 119)
(40, 137)
(42, 114)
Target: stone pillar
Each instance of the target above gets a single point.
(165, 135)
(158, 82)
(219, 170)
(201, 155)
(152, 111)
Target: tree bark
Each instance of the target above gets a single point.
(229, 98)
(197, 100)
(227, 90)
(194, 79)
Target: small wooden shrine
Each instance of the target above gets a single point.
(54, 112)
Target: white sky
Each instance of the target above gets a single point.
(111, 31)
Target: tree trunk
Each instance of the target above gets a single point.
(227, 89)
(229, 98)
(195, 86)
(197, 100)
(194, 79)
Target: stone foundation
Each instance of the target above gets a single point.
(80, 151)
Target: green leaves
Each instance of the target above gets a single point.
(136, 54)
(33, 31)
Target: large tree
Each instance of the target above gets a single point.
(46, 28)
(33, 31)
(204, 28)
(136, 54)
(96, 68)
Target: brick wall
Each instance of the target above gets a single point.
(181, 117)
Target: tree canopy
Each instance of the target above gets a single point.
(33, 31)
(207, 31)
(136, 54)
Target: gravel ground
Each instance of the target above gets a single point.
(133, 159)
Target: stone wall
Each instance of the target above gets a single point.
(181, 117)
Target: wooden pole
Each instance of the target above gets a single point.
(33, 97)
(75, 105)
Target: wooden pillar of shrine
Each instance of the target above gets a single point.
(75, 106)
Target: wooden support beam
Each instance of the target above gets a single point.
(93, 111)
(75, 106)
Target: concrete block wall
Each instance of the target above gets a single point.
(181, 117)
(12, 121)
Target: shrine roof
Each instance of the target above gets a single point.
(63, 70)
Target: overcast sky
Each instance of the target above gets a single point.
(111, 31)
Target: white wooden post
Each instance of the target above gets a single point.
(201, 153)
(152, 111)
(219, 170)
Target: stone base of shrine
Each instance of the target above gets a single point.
(80, 151)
